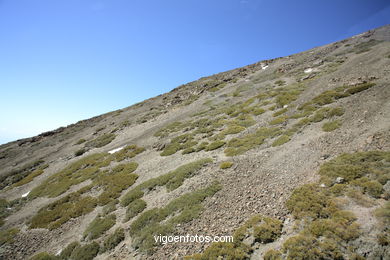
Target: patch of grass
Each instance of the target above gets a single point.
(272, 254)
(101, 141)
(67, 251)
(171, 128)
(365, 46)
(85, 252)
(55, 214)
(280, 82)
(113, 240)
(171, 180)
(73, 174)
(18, 174)
(45, 256)
(7, 236)
(215, 145)
(110, 207)
(134, 208)
(163, 220)
(80, 141)
(99, 226)
(128, 152)
(179, 143)
(308, 247)
(237, 146)
(281, 140)
(29, 177)
(79, 152)
(223, 250)
(331, 126)
(278, 120)
(280, 112)
(226, 165)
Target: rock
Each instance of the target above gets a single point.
(339, 180)
(323, 185)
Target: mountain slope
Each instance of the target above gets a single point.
(277, 121)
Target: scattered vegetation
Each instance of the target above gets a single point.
(113, 240)
(365, 46)
(163, 220)
(281, 140)
(325, 230)
(226, 165)
(85, 252)
(80, 152)
(98, 226)
(134, 208)
(80, 141)
(101, 141)
(18, 174)
(171, 180)
(7, 236)
(215, 145)
(237, 146)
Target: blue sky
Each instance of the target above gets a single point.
(66, 60)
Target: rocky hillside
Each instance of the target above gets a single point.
(290, 156)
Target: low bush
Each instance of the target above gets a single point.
(68, 250)
(331, 126)
(101, 141)
(29, 177)
(281, 140)
(80, 141)
(45, 256)
(171, 180)
(113, 240)
(226, 165)
(7, 236)
(85, 252)
(156, 222)
(278, 120)
(215, 145)
(134, 208)
(272, 255)
(98, 226)
(79, 152)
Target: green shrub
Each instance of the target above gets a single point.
(359, 88)
(125, 168)
(134, 208)
(29, 177)
(80, 152)
(98, 226)
(189, 150)
(215, 145)
(302, 247)
(330, 126)
(101, 141)
(281, 140)
(128, 152)
(268, 230)
(80, 141)
(154, 222)
(280, 82)
(171, 180)
(110, 207)
(44, 256)
(85, 252)
(272, 255)
(223, 250)
(15, 175)
(113, 240)
(309, 201)
(68, 250)
(278, 120)
(280, 112)
(237, 146)
(55, 214)
(226, 165)
(7, 236)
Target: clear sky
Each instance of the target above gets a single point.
(66, 60)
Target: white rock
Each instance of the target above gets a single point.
(309, 70)
(59, 252)
(25, 195)
(116, 150)
(323, 185)
(285, 106)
